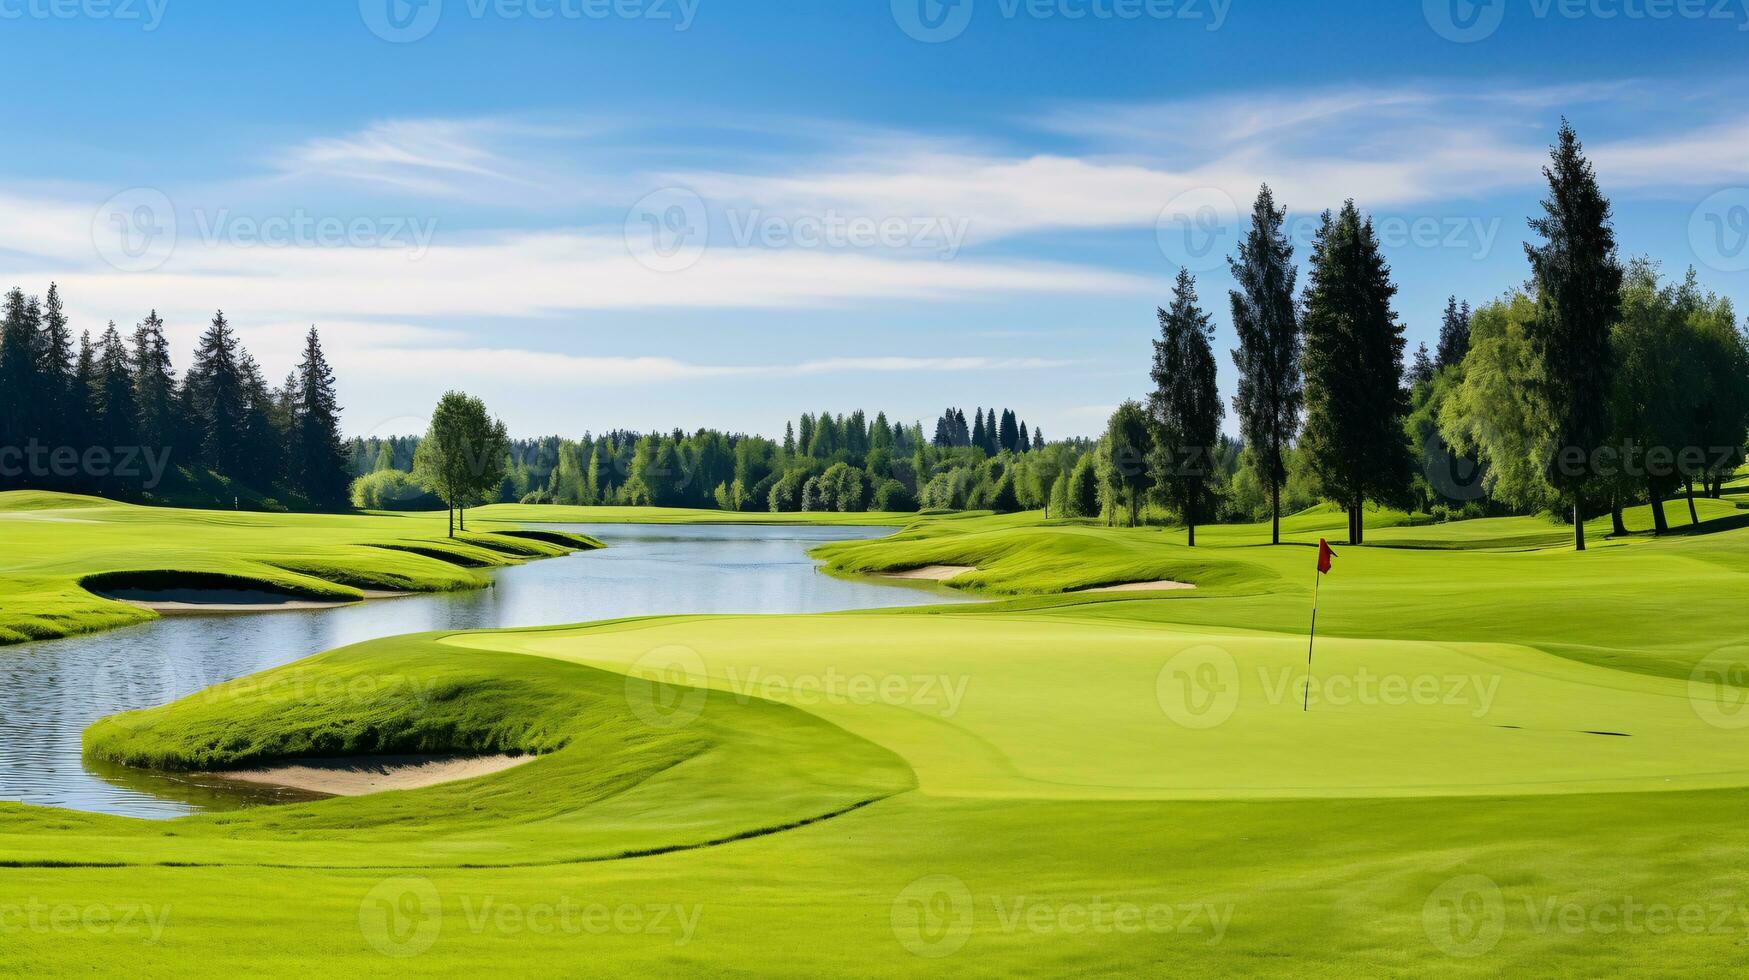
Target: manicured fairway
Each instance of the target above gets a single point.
(51, 542)
(1518, 761)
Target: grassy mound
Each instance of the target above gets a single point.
(627, 764)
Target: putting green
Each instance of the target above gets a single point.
(1006, 706)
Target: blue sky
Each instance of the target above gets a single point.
(659, 213)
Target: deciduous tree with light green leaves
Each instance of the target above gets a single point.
(1489, 414)
(1129, 440)
(463, 455)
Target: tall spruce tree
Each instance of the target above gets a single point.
(1421, 369)
(1577, 279)
(1008, 437)
(219, 400)
(21, 397)
(320, 465)
(1454, 335)
(1354, 441)
(112, 399)
(1185, 406)
(978, 427)
(57, 373)
(83, 424)
(155, 384)
(1270, 390)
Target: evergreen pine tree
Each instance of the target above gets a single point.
(83, 423)
(1422, 370)
(1023, 442)
(881, 435)
(1008, 438)
(155, 384)
(978, 428)
(112, 397)
(1454, 335)
(1270, 389)
(1186, 405)
(217, 399)
(21, 400)
(320, 464)
(1354, 441)
(57, 374)
(262, 458)
(1578, 296)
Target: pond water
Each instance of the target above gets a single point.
(49, 692)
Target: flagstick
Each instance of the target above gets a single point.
(1317, 581)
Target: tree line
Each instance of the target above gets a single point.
(110, 416)
(844, 462)
(1594, 387)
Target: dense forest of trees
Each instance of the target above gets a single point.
(836, 462)
(111, 416)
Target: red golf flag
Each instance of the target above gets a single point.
(1324, 557)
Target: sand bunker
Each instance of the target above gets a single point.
(359, 777)
(1160, 586)
(206, 602)
(931, 573)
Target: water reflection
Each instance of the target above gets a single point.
(49, 692)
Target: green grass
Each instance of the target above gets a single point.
(1511, 767)
(54, 543)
